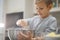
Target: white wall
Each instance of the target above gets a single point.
(14, 6)
(1, 11)
(28, 8)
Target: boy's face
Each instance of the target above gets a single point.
(42, 9)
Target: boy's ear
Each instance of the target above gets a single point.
(50, 6)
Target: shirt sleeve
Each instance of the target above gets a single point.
(52, 27)
(29, 20)
(29, 23)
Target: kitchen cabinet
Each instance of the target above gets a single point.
(1, 11)
(26, 6)
(56, 6)
(2, 28)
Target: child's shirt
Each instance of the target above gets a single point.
(40, 25)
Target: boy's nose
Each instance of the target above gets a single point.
(39, 11)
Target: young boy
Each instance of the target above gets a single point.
(43, 22)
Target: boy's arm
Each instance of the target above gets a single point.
(22, 22)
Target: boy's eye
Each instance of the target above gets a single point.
(39, 8)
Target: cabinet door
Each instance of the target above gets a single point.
(54, 3)
(58, 3)
(1, 11)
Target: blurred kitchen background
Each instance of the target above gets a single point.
(12, 10)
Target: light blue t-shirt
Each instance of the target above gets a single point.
(41, 25)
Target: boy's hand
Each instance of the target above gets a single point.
(21, 22)
(38, 38)
(22, 36)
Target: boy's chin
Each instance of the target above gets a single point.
(42, 16)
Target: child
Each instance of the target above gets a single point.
(43, 22)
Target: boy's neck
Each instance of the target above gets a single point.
(46, 16)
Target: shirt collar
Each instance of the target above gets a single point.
(44, 18)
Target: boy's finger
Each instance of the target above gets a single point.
(23, 35)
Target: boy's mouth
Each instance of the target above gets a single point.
(40, 13)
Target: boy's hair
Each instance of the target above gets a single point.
(48, 2)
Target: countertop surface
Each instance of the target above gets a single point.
(52, 36)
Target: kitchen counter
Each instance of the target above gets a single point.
(52, 36)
